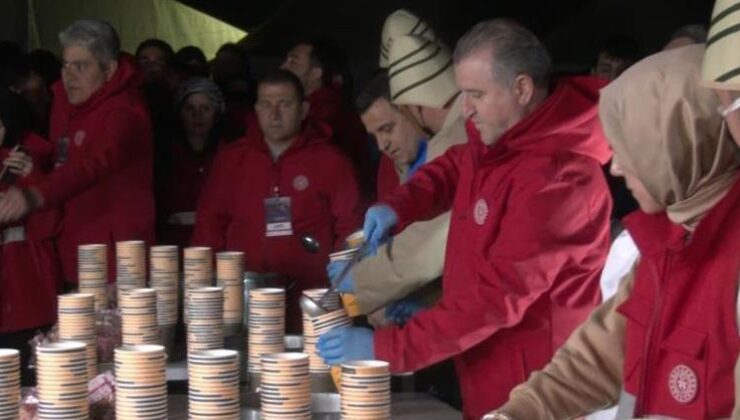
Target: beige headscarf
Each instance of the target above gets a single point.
(665, 130)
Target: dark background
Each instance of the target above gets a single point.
(571, 29)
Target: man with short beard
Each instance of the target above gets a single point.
(283, 181)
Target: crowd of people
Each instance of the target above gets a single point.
(499, 234)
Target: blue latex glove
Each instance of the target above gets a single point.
(402, 310)
(345, 344)
(334, 269)
(379, 220)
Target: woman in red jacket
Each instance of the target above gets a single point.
(29, 269)
(666, 345)
(200, 109)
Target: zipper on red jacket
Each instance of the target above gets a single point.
(649, 347)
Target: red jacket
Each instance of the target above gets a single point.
(178, 198)
(682, 338)
(529, 233)
(103, 175)
(30, 273)
(387, 179)
(326, 104)
(324, 203)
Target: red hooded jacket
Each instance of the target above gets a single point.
(348, 132)
(30, 272)
(529, 234)
(387, 179)
(325, 203)
(681, 339)
(178, 197)
(103, 174)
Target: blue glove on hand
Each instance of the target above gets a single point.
(402, 310)
(379, 220)
(345, 344)
(334, 269)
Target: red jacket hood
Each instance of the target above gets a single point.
(566, 121)
(126, 77)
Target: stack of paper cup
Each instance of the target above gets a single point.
(92, 272)
(130, 265)
(141, 382)
(310, 338)
(164, 277)
(366, 390)
(61, 380)
(10, 383)
(139, 317)
(285, 387)
(77, 323)
(325, 323)
(230, 276)
(198, 267)
(266, 325)
(213, 385)
(206, 311)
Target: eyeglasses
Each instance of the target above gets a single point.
(77, 66)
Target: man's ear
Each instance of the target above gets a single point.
(523, 88)
(110, 70)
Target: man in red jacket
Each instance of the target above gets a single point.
(265, 192)
(102, 136)
(316, 64)
(529, 230)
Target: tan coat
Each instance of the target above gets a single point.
(416, 256)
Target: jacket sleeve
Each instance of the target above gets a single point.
(213, 211)
(549, 233)
(120, 142)
(345, 204)
(430, 191)
(414, 259)
(585, 375)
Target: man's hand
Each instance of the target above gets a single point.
(346, 344)
(379, 220)
(13, 205)
(402, 310)
(334, 269)
(19, 163)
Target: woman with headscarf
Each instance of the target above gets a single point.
(666, 345)
(30, 272)
(200, 108)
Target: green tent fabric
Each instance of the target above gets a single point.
(135, 21)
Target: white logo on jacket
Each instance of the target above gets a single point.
(300, 182)
(80, 137)
(480, 212)
(683, 384)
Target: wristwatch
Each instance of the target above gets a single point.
(497, 415)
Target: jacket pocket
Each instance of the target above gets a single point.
(679, 380)
(638, 311)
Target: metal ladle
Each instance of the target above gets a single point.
(310, 243)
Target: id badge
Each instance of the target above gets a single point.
(61, 152)
(278, 217)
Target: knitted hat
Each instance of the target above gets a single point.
(721, 66)
(420, 72)
(399, 23)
